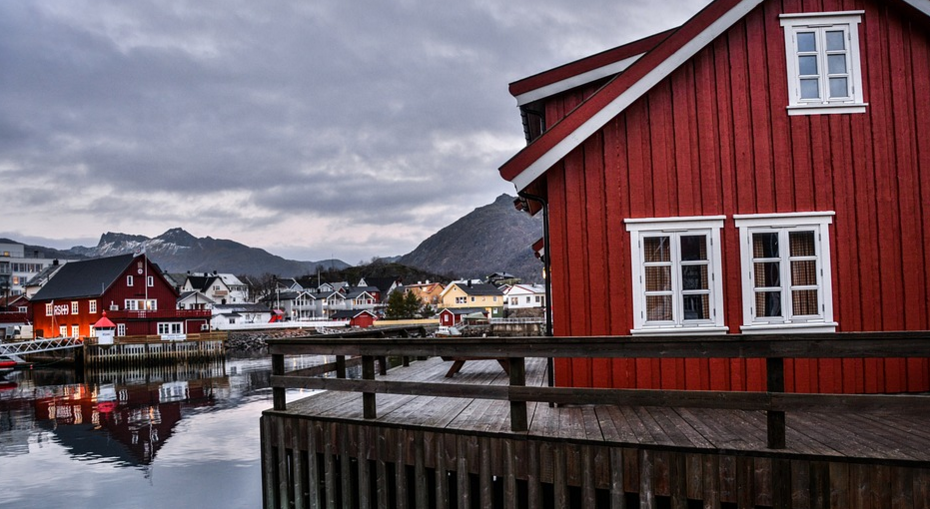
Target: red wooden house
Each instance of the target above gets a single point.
(764, 168)
(130, 289)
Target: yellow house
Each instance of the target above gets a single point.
(428, 293)
(466, 294)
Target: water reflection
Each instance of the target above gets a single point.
(179, 436)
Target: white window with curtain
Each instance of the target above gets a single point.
(824, 70)
(677, 282)
(786, 279)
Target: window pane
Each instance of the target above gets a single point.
(807, 41)
(768, 304)
(804, 302)
(694, 277)
(804, 273)
(765, 245)
(807, 65)
(658, 279)
(801, 243)
(693, 247)
(658, 307)
(836, 40)
(656, 249)
(768, 274)
(810, 89)
(838, 87)
(697, 307)
(836, 64)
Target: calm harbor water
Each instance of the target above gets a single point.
(161, 438)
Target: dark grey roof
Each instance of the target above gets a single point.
(463, 311)
(479, 289)
(87, 278)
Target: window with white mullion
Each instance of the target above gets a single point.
(674, 286)
(787, 271)
(824, 73)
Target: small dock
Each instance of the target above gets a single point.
(134, 351)
(428, 441)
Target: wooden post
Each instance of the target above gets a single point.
(277, 393)
(775, 368)
(340, 366)
(369, 411)
(518, 419)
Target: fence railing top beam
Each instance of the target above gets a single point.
(832, 345)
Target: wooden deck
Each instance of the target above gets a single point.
(432, 451)
(893, 439)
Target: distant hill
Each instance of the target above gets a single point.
(178, 251)
(492, 238)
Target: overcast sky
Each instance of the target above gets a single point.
(311, 128)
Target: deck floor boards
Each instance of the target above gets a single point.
(891, 437)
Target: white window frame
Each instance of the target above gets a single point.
(75, 307)
(49, 309)
(150, 281)
(129, 281)
(676, 227)
(818, 222)
(75, 331)
(63, 331)
(121, 329)
(92, 307)
(820, 23)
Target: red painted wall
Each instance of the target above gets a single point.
(714, 138)
(136, 323)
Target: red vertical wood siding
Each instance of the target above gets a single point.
(714, 138)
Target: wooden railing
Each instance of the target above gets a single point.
(774, 349)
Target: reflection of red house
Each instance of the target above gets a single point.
(131, 289)
(761, 169)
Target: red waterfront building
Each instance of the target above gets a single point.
(130, 289)
(763, 168)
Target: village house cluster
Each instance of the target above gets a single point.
(67, 299)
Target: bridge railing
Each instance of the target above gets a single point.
(774, 349)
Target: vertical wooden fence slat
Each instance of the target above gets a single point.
(419, 462)
(711, 482)
(442, 475)
(588, 498)
(510, 477)
(617, 492)
(463, 481)
(485, 486)
(340, 366)
(533, 482)
(364, 469)
(329, 466)
(382, 488)
(559, 475)
(400, 468)
(647, 498)
(313, 472)
(295, 434)
(678, 481)
(268, 470)
(283, 467)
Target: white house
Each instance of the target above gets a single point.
(525, 296)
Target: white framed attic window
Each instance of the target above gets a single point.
(677, 275)
(786, 274)
(824, 70)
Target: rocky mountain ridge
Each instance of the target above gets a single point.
(492, 238)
